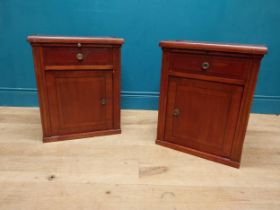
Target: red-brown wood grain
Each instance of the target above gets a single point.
(204, 110)
(79, 95)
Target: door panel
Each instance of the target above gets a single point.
(202, 115)
(81, 101)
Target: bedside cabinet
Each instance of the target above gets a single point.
(205, 98)
(78, 80)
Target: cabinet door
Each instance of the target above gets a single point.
(202, 115)
(79, 101)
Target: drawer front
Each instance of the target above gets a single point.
(78, 56)
(217, 65)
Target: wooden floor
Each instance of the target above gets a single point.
(129, 171)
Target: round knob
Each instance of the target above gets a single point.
(176, 112)
(103, 101)
(205, 65)
(80, 56)
(79, 44)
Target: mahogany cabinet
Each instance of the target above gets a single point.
(78, 80)
(205, 98)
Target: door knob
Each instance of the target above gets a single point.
(80, 56)
(103, 101)
(176, 112)
(205, 65)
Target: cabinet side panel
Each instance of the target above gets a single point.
(245, 110)
(163, 94)
(116, 86)
(42, 91)
(110, 100)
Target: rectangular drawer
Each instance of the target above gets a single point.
(217, 65)
(78, 56)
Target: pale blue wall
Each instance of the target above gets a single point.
(142, 24)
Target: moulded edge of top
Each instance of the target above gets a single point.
(237, 48)
(72, 39)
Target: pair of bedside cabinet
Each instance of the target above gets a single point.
(205, 94)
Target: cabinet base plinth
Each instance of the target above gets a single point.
(199, 153)
(80, 135)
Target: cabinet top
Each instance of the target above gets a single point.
(237, 48)
(69, 39)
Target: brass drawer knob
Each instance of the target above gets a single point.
(176, 112)
(80, 56)
(103, 101)
(205, 65)
(79, 44)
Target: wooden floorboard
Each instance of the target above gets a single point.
(129, 171)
